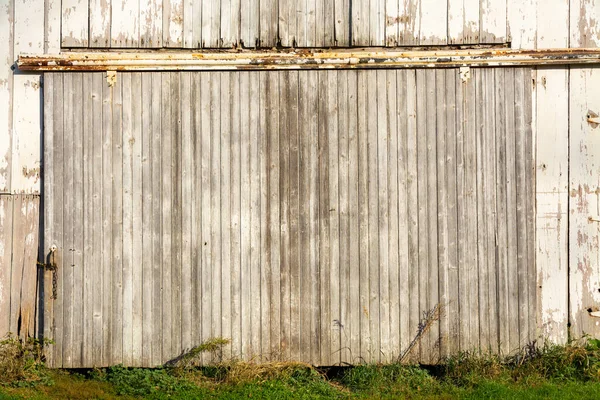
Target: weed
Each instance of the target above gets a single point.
(22, 362)
(145, 382)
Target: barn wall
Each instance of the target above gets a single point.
(312, 216)
(564, 232)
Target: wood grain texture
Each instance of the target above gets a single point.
(318, 220)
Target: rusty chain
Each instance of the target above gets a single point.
(51, 266)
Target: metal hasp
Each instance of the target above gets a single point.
(373, 58)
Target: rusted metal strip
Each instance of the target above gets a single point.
(302, 59)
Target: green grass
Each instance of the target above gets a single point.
(536, 372)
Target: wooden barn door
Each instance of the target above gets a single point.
(306, 215)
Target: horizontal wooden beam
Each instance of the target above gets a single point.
(302, 59)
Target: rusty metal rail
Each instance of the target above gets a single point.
(302, 59)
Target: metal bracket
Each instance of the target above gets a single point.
(465, 73)
(111, 78)
(593, 119)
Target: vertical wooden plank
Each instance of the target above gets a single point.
(354, 311)
(409, 22)
(67, 271)
(521, 180)
(395, 201)
(511, 211)
(583, 23)
(501, 216)
(128, 216)
(383, 215)
(530, 204)
(196, 212)
(273, 224)
(294, 211)
(422, 196)
(304, 138)
(166, 214)
(74, 23)
(230, 22)
(324, 220)
(432, 294)
(207, 243)
(52, 33)
(523, 30)
(6, 236)
(45, 286)
(215, 202)
(247, 134)
(125, 23)
(269, 11)
(413, 132)
(187, 27)
(551, 177)
(235, 212)
(211, 23)
(99, 23)
(552, 201)
(492, 21)
(284, 214)
(265, 203)
(343, 324)
(6, 84)
(463, 295)
(333, 273)
(443, 259)
(249, 20)
(363, 205)
(470, 104)
(157, 233)
(434, 22)
(463, 21)
(491, 207)
(225, 187)
(87, 220)
(187, 205)
(96, 316)
(341, 24)
(151, 23)
(403, 120)
(16, 263)
(374, 231)
(453, 135)
(77, 193)
(56, 223)
(137, 204)
(313, 200)
(197, 24)
(256, 139)
(106, 217)
(360, 23)
(176, 213)
(284, 22)
(482, 215)
(392, 22)
(172, 23)
(28, 37)
(376, 21)
(23, 277)
(146, 269)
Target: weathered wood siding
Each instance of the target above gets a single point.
(26, 26)
(289, 23)
(19, 216)
(306, 215)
